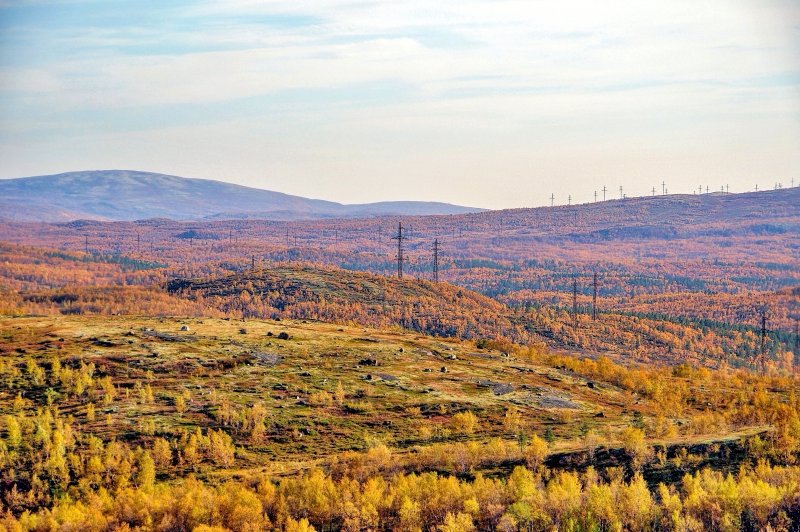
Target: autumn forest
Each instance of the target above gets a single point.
(627, 364)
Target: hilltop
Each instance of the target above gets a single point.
(132, 195)
(342, 296)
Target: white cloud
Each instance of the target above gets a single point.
(517, 87)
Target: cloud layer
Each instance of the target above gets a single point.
(494, 104)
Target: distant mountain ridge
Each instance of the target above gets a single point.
(123, 195)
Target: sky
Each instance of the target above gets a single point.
(491, 104)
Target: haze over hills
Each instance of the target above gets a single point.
(121, 195)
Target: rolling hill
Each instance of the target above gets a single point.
(118, 195)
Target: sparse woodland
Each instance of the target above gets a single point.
(251, 375)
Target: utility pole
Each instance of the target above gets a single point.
(604, 192)
(595, 196)
(706, 189)
(620, 192)
(287, 238)
(138, 242)
(253, 263)
(400, 237)
(436, 260)
(569, 200)
(552, 199)
(594, 297)
(727, 189)
(663, 188)
(654, 191)
(86, 244)
(756, 187)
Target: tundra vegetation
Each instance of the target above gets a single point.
(222, 375)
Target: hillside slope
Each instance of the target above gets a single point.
(341, 296)
(131, 195)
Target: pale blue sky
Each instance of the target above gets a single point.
(486, 103)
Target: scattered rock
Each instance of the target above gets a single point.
(185, 328)
(104, 343)
(590, 384)
(283, 335)
(502, 389)
(267, 359)
(444, 369)
(369, 362)
(270, 333)
(599, 414)
(242, 331)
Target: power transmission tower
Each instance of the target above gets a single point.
(253, 263)
(400, 237)
(797, 341)
(575, 301)
(756, 187)
(138, 242)
(86, 244)
(654, 191)
(664, 188)
(620, 192)
(594, 297)
(762, 363)
(287, 238)
(706, 189)
(569, 200)
(552, 199)
(436, 260)
(595, 196)
(604, 192)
